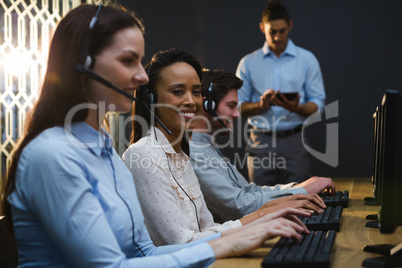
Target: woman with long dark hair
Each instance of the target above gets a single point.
(68, 198)
(167, 187)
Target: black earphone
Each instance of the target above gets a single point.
(209, 104)
(150, 95)
(86, 62)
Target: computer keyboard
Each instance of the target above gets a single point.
(330, 219)
(313, 250)
(338, 199)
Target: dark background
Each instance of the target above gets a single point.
(357, 42)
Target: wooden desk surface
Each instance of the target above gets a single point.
(351, 239)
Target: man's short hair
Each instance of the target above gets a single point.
(222, 82)
(274, 10)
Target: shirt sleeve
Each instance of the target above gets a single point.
(245, 92)
(57, 192)
(165, 216)
(315, 91)
(232, 198)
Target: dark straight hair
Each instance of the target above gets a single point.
(64, 87)
(274, 10)
(159, 61)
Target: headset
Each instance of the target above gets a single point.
(150, 95)
(86, 62)
(210, 105)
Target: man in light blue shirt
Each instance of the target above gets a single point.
(227, 193)
(276, 152)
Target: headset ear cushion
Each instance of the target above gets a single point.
(206, 104)
(88, 61)
(151, 95)
(151, 98)
(213, 105)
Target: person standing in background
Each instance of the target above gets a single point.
(278, 67)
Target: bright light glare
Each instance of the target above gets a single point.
(17, 63)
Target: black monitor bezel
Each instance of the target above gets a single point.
(390, 161)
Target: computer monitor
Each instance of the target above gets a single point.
(376, 167)
(387, 170)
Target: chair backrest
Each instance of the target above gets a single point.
(8, 249)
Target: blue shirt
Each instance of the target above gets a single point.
(227, 193)
(75, 205)
(296, 70)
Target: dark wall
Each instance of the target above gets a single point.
(358, 44)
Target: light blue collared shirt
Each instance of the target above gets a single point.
(227, 193)
(295, 70)
(75, 205)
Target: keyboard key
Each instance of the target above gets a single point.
(313, 250)
(338, 199)
(330, 219)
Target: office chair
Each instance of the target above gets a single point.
(8, 249)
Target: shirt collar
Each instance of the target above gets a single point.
(162, 142)
(83, 135)
(290, 49)
(160, 139)
(201, 138)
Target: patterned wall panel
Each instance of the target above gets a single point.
(26, 29)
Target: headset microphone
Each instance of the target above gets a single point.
(103, 81)
(220, 120)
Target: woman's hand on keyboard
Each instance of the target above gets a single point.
(241, 240)
(301, 201)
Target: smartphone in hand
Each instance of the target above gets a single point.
(289, 95)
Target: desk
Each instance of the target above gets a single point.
(350, 240)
